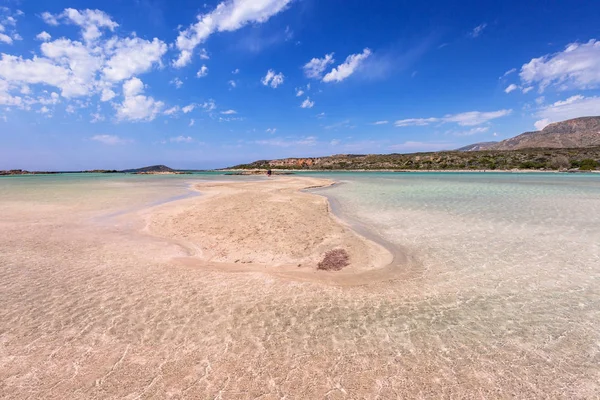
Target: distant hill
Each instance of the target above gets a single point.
(150, 169)
(573, 133)
(477, 146)
(538, 159)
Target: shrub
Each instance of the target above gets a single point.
(588, 164)
(334, 260)
(559, 162)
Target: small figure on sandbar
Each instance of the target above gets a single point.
(269, 173)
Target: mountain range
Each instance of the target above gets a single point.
(572, 133)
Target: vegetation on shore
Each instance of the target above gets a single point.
(585, 159)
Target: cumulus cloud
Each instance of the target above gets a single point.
(541, 124)
(132, 56)
(90, 21)
(577, 67)
(229, 15)
(43, 36)
(271, 130)
(136, 106)
(343, 71)
(82, 68)
(177, 82)
(110, 140)
(299, 92)
(202, 72)
(470, 118)
(5, 38)
(272, 79)
(307, 103)
(314, 68)
(510, 88)
(192, 122)
(232, 84)
(572, 107)
(107, 95)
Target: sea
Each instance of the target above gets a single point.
(504, 278)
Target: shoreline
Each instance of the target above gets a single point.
(487, 171)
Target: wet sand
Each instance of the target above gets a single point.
(150, 303)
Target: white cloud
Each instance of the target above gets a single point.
(235, 71)
(5, 38)
(49, 18)
(229, 112)
(177, 82)
(181, 139)
(472, 131)
(470, 118)
(232, 84)
(541, 124)
(572, 107)
(527, 89)
(229, 15)
(315, 67)
(335, 142)
(86, 68)
(172, 110)
(577, 67)
(415, 121)
(204, 55)
(299, 92)
(307, 103)
(510, 71)
(321, 115)
(90, 21)
(209, 105)
(189, 108)
(132, 56)
(346, 69)
(272, 79)
(477, 30)
(110, 140)
(192, 122)
(107, 95)
(202, 72)
(380, 122)
(271, 130)
(43, 36)
(44, 110)
(510, 88)
(136, 106)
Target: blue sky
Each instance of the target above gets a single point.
(205, 84)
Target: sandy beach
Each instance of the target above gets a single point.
(138, 290)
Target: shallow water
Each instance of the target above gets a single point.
(505, 302)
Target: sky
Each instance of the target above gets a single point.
(209, 84)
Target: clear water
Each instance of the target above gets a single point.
(485, 230)
(504, 301)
